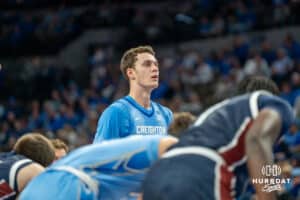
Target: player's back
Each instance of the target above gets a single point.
(223, 127)
(219, 125)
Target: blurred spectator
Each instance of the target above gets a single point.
(281, 11)
(241, 48)
(291, 46)
(281, 66)
(193, 103)
(257, 66)
(200, 73)
(292, 139)
(287, 92)
(268, 52)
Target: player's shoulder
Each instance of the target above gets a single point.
(165, 110)
(262, 96)
(117, 106)
(266, 100)
(11, 157)
(162, 107)
(11, 164)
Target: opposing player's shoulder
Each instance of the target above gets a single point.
(274, 101)
(12, 159)
(261, 99)
(11, 165)
(281, 106)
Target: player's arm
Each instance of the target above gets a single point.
(259, 142)
(146, 150)
(165, 144)
(27, 173)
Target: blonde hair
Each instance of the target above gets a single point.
(181, 121)
(36, 147)
(59, 144)
(130, 56)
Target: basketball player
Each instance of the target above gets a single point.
(227, 144)
(136, 113)
(112, 170)
(31, 153)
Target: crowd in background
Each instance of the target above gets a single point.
(49, 98)
(55, 25)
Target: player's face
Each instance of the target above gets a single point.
(146, 71)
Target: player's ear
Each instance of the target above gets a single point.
(130, 73)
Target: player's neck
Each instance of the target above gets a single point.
(141, 97)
